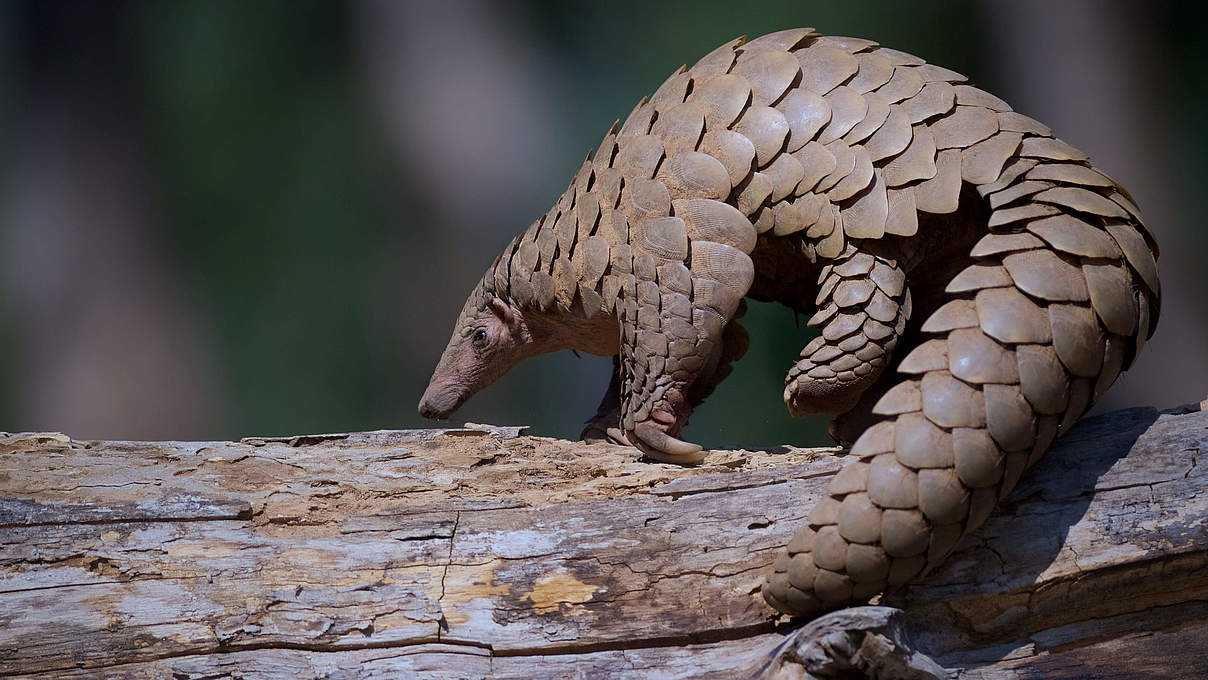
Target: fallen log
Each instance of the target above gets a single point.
(480, 552)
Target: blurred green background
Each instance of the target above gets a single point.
(225, 218)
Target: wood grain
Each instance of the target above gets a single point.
(480, 553)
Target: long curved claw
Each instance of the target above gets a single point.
(647, 437)
(616, 436)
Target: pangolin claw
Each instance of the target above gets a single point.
(652, 441)
(616, 436)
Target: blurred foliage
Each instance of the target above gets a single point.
(275, 193)
(284, 206)
(272, 178)
(9, 65)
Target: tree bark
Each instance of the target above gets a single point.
(478, 552)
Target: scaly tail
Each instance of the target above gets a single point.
(1062, 294)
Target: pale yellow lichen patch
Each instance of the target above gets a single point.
(553, 590)
(464, 584)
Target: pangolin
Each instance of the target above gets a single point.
(977, 284)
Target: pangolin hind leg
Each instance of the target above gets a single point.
(863, 304)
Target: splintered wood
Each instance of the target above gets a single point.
(479, 552)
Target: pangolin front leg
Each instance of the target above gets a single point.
(673, 322)
(605, 424)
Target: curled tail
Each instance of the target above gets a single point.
(1060, 298)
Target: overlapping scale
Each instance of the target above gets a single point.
(824, 67)
(770, 72)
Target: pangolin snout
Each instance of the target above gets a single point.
(428, 411)
(438, 404)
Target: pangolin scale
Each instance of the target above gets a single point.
(976, 281)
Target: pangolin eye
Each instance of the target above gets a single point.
(480, 338)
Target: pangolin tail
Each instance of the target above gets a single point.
(1060, 297)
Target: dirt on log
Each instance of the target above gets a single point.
(479, 552)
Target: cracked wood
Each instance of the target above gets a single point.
(498, 555)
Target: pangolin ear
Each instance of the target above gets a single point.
(504, 311)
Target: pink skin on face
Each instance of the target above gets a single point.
(487, 342)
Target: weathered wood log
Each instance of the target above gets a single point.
(481, 553)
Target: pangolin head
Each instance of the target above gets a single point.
(490, 337)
